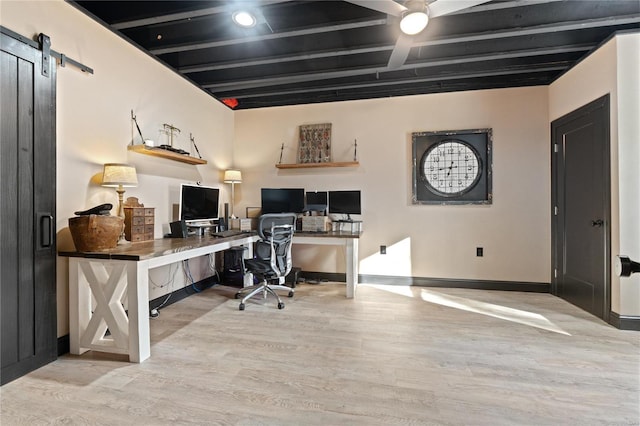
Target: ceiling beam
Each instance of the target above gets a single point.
(440, 77)
(180, 16)
(275, 36)
(538, 29)
(524, 31)
(560, 26)
(503, 5)
(284, 58)
(171, 17)
(305, 77)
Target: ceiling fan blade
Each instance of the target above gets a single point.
(400, 51)
(389, 7)
(444, 7)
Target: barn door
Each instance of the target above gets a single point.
(27, 210)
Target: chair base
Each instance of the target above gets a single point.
(265, 288)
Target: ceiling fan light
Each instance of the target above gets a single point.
(244, 18)
(413, 22)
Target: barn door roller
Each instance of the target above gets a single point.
(44, 44)
(45, 47)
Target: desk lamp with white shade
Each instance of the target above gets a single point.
(119, 176)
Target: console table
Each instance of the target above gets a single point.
(114, 276)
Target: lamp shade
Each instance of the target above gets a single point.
(233, 176)
(115, 174)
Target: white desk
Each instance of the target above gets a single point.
(120, 276)
(337, 238)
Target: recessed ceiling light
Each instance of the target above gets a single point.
(244, 18)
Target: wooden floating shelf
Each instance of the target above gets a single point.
(163, 153)
(317, 165)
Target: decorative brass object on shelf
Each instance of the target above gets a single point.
(317, 165)
(163, 153)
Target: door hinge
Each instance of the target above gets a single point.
(45, 46)
(555, 210)
(555, 273)
(555, 147)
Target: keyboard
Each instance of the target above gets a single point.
(227, 233)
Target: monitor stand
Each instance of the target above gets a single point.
(199, 228)
(353, 226)
(347, 220)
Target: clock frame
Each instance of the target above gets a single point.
(452, 167)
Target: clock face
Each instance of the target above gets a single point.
(451, 167)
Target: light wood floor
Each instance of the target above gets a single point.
(394, 355)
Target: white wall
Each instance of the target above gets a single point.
(423, 241)
(94, 126)
(613, 69)
(628, 72)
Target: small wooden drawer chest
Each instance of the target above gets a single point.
(139, 223)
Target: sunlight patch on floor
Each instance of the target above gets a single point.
(510, 314)
(402, 290)
(469, 305)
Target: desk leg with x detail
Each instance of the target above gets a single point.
(107, 314)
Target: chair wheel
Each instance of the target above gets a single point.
(237, 296)
(280, 305)
(290, 294)
(241, 307)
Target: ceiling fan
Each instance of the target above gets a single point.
(415, 15)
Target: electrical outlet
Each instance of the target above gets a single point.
(383, 249)
(479, 251)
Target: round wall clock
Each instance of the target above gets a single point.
(451, 167)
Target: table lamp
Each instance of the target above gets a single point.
(119, 176)
(232, 177)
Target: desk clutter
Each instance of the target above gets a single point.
(139, 221)
(319, 211)
(316, 224)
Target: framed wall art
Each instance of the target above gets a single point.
(315, 143)
(452, 167)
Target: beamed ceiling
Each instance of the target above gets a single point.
(303, 52)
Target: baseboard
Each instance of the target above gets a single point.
(322, 276)
(458, 283)
(531, 287)
(63, 345)
(624, 322)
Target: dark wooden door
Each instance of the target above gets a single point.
(27, 211)
(581, 207)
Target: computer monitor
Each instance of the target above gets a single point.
(282, 200)
(344, 202)
(198, 204)
(316, 201)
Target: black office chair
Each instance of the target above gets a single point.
(272, 258)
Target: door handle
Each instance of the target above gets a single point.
(46, 230)
(597, 223)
